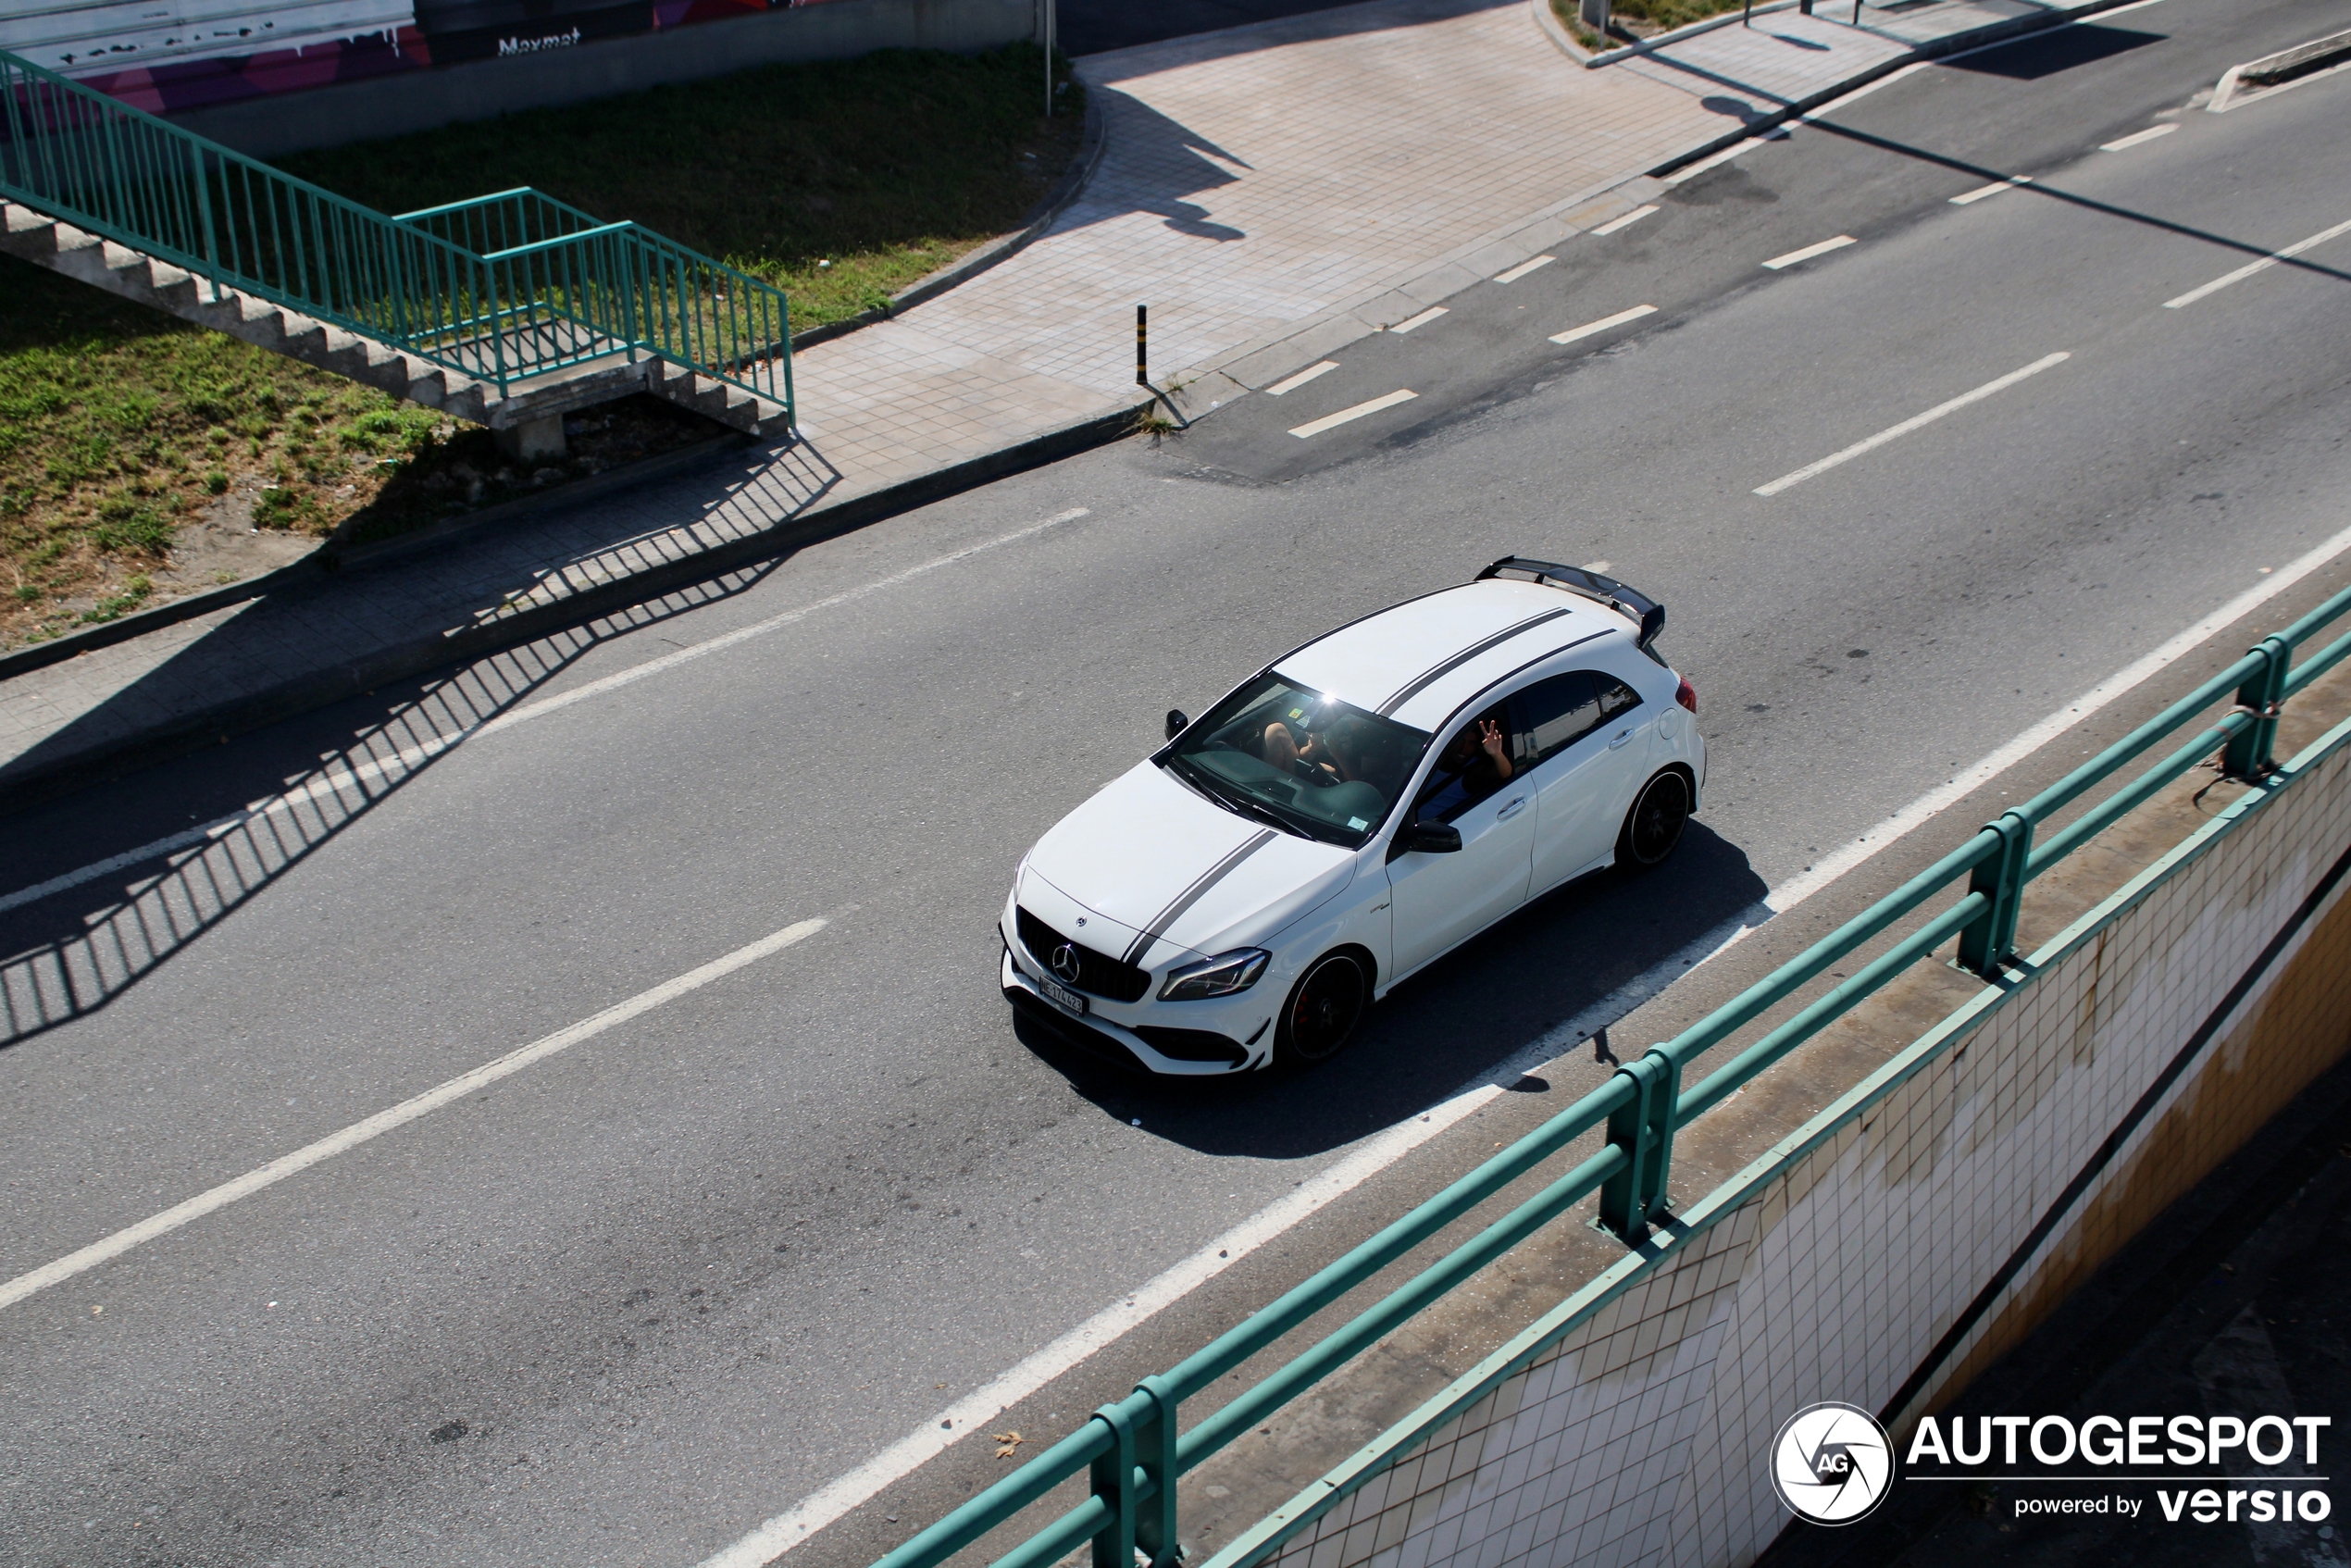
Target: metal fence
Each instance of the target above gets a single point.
(501, 288)
(1134, 1452)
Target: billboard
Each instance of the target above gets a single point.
(168, 54)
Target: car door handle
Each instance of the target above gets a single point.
(1622, 736)
(1511, 810)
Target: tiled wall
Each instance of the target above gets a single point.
(1846, 1276)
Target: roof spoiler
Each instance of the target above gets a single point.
(1630, 602)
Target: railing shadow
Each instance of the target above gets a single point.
(91, 901)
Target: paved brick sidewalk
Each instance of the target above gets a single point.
(1270, 191)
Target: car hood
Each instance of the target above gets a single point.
(1156, 860)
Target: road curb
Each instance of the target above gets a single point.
(439, 647)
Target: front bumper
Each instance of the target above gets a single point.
(1120, 1031)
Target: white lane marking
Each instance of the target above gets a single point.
(2136, 137)
(1329, 421)
(2242, 273)
(1906, 427)
(1994, 189)
(1888, 80)
(1830, 867)
(1292, 383)
(1630, 218)
(407, 1111)
(1603, 324)
(1808, 251)
(406, 758)
(795, 1524)
(1423, 319)
(803, 1519)
(1522, 268)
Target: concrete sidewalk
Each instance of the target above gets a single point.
(1270, 191)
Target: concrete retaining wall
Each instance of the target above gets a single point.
(410, 101)
(1914, 1231)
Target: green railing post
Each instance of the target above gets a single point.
(1155, 1453)
(1643, 1128)
(1113, 1475)
(1985, 943)
(2248, 754)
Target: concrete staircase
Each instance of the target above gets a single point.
(528, 417)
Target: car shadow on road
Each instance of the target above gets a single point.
(1457, 1022)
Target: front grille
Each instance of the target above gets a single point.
(1097, 972)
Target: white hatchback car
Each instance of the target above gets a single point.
(1243, 895)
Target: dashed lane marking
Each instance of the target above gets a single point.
(1292, 383)
(407, 1111)
(1630, 218)
(2247, 271)
(1994, 189)
(1808, 251)
(1423, 319)
(1522, 268)
(1603, 324)
(2136, 137)
(1913, 422)
(1332, 421)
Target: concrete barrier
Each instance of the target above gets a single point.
(410, 101)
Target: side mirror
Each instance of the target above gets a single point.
(1176, 723)
(1427, 838)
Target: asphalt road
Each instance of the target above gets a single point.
(629, 1301)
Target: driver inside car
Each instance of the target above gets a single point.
(1335, 751)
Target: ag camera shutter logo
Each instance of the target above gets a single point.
(1832, 1464)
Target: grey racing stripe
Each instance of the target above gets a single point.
(1193, 895)
(1388, 709)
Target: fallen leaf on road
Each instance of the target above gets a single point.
(1008, 1441)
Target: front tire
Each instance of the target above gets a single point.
(1654, 825)
(1324, 1010)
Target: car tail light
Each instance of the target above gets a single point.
(1686, 695)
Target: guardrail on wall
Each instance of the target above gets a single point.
(1134, 1452)
(501, 288)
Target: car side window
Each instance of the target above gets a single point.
(1465, 772)
(1615, 697)
(1556, 713)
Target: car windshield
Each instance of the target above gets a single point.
(1316, 765)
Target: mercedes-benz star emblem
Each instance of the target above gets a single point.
(1064, 962)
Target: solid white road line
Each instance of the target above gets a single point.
(1713, 160)
(795, 1524)
(407, 1111)
(2136, 137)
(1423, 319)
(1808, 251)
(409, 757)
(1994, 189)
(1603, 324)
(1292, 383)
(1912, 423)
(1522, 268)
(1630, 218)
(2242, 273)
(1329, 421)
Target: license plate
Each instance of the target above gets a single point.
(1062, 996)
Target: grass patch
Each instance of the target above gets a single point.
(840, 183)
(1631, 19)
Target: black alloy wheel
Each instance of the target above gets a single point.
(1323, 1011)
(1654, 825)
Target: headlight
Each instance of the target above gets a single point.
(1221, 976)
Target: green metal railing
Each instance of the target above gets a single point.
(501, 289)
(1133, 1451)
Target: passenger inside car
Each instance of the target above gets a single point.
(1474, 764)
